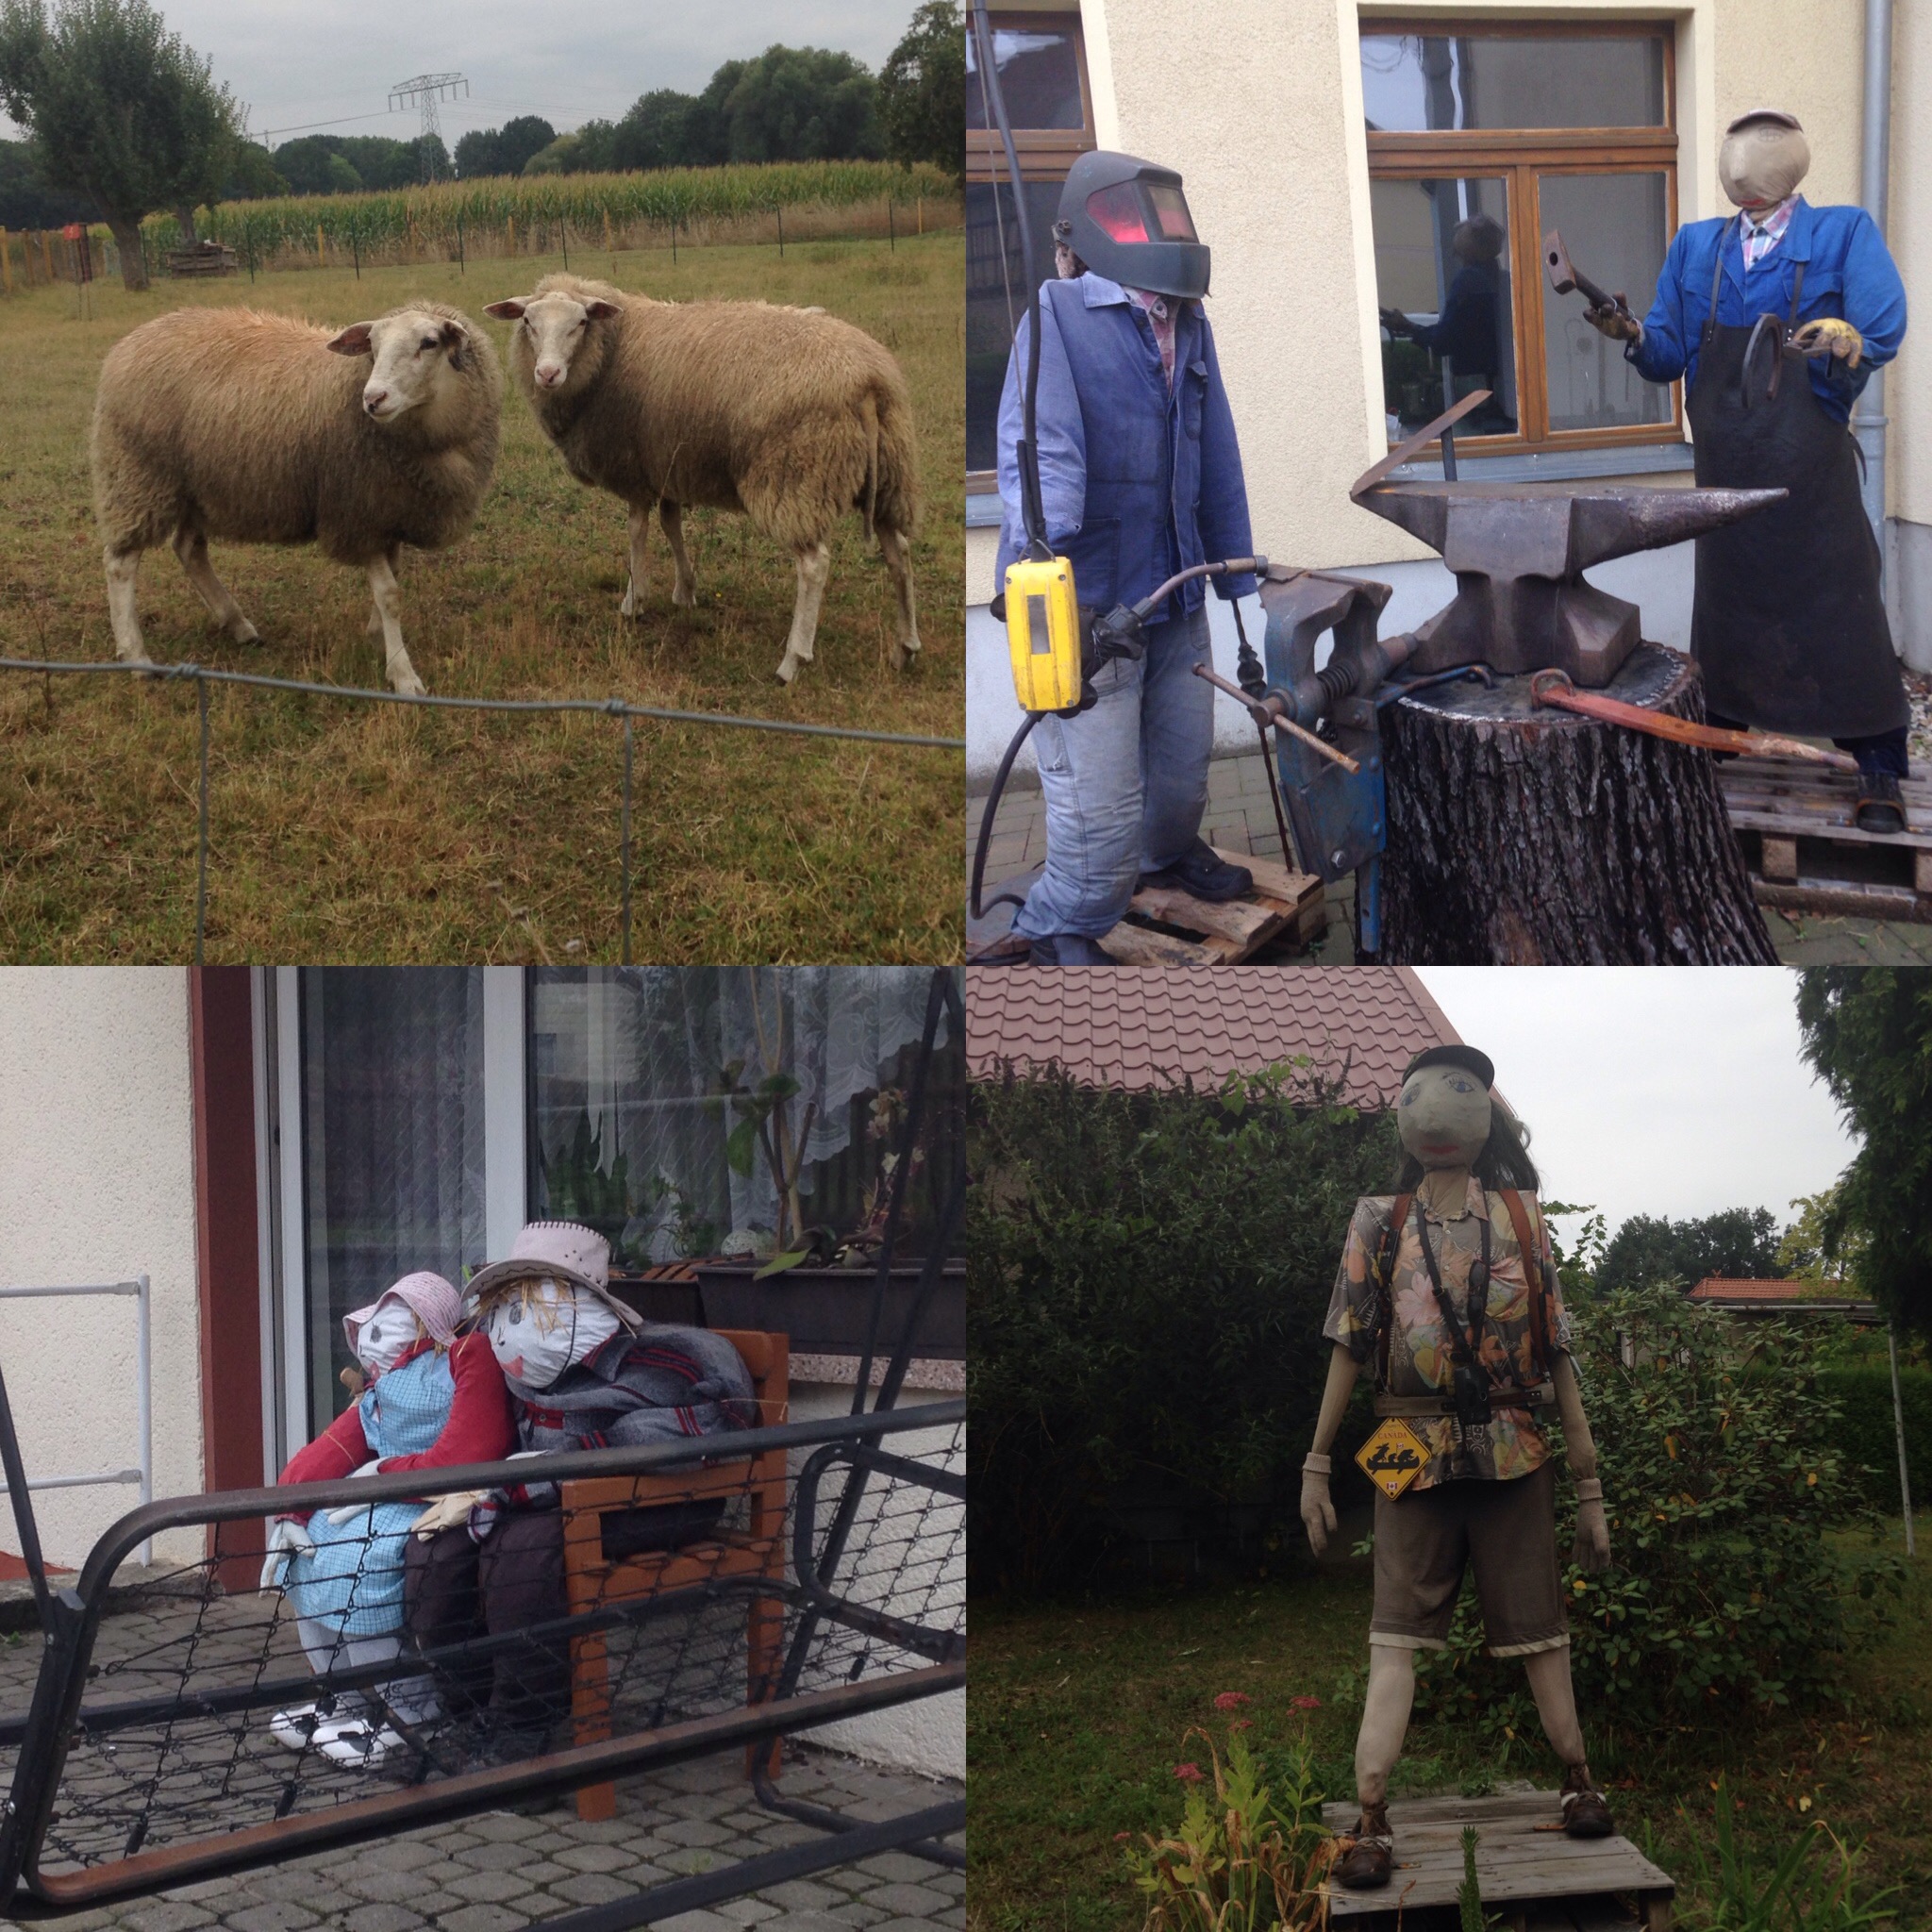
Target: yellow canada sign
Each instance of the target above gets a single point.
(1394, 1456)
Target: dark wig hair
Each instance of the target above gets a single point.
(1504, 1162)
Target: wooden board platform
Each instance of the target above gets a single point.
(1794, 823)
(1542, 1878)
(1217, 935)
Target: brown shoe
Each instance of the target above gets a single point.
(1585, 1812)
(1369, 1855)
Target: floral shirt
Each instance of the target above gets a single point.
(1421, 1361)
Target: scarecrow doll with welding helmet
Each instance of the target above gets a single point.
(1447, 1292)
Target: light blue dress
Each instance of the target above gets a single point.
(352, 1581)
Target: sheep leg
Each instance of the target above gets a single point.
(123, 568)
(896, 548)
(814, 568)
(191, 546)
(684, 593)
(388, 602)
(375, 624)
(639, 545)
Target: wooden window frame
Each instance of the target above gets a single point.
(1045, 152)
(1518, 157)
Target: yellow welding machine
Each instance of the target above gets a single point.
(1043, 633)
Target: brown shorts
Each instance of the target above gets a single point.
(1506, 1530)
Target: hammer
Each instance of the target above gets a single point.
(1565, 278)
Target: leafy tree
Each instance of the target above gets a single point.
(503, 150)
(657, 132)
(120, 108)
(1647, 1249)
(921, 98)
(1802, 1253)
(799, 104)
(1868, 1032)
(27, 202)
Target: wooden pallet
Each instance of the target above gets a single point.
(1794, 823)
(1200, 933)
(1542, 1880)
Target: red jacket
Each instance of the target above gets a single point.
(480, 1427)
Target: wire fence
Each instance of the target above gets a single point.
(610, 707)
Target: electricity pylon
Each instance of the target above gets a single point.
(426, 90)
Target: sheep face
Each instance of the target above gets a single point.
(416, 360)
(552, 331)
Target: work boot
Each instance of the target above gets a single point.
(1585, 1812)
(1881, 809)
(1067, 949)
(1200, 872)
(1369, 1855)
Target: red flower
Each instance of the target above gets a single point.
(1232, 1700)
(1187, 1774)
(1306, 1703)
(1120, 1837)
(1242, 1724)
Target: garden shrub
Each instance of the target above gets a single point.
(1869, 1438)
(1725, 1468)
(1148, 1276)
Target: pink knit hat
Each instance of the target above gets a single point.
(431, 1299)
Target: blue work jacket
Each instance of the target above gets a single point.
(1848, 272)
(1135, 483)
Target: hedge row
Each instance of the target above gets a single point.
(1863, 1390)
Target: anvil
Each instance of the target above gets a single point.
(1519, 556)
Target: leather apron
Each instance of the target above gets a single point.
(1789, 625)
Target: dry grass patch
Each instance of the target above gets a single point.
(363, 832)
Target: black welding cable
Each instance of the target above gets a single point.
(993, 801)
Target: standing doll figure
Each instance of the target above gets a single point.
(1447, 1290)
(432, 1400)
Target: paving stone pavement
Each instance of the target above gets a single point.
(1241, 819)
(502, 1872)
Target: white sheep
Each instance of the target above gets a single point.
(787, 414)
(235, 425)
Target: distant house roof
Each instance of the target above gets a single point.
(1139, 1027)
(1729, 1288)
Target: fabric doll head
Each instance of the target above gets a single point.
(539, 1329)
(1444, 1115)
(1763, 158)
(418, 1305)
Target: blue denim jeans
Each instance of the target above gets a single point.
(1126, 784)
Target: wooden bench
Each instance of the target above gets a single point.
(591, 1581)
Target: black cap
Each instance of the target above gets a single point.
(1468, 1058)
(1128, 220)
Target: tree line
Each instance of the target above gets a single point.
(125, 119)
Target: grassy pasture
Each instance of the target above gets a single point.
(364, 832)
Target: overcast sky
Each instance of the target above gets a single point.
(575, 61)
(1653, 1091)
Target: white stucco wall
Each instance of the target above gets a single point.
(97, 1185)
(928, 1736)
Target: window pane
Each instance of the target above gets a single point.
(1414, 82)
(998, 288)
(1617, 225)
(630, 1131)
(392, 1145)
(1039, 75)
(1444, 285)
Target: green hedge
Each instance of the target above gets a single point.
(1869, 1441)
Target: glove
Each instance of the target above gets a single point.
(349, 1510)
(1317, 1512)
(1618, 324)
(447, 1512)
(1825, 335)
(1395, 321)
(1591, 1552)
(287, 1539)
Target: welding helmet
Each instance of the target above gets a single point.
(1128, 220)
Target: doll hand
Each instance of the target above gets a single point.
(1591, 1552)
(287, 1537)
(447, 1512)
(1618, 324)
(1825, 335)
(1317, 1512)
(349, 1510)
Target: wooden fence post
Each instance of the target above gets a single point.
(6, 263)
(321, 251)
(608, 249)
(922, 214)
(509, 228)
(47, 257)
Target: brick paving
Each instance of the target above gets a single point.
(1239, 819)
(503, 1870)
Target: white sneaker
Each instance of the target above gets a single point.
(356, 1741)
(297, 1726)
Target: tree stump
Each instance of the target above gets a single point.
(1521, 835)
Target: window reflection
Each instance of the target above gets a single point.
(1418, 82)
(1040, 74)
(997, 297)
(1444, 285)
(1618, 227)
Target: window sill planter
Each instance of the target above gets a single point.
(828, 1311)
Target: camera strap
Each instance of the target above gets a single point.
(1463, 1348)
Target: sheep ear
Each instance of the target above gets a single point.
(354, 341)
(599, 310)
(453, 338)
(506, 312)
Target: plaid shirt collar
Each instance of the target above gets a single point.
(1762, 233)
